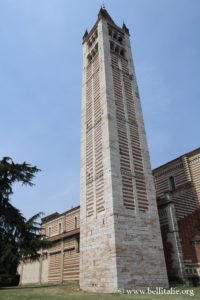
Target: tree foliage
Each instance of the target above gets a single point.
(19, 238)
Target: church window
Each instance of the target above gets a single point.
(111, 45)
(75, 222)
(172, 183)
(120, 39)
(122, 52)
(60, 227)
(117, 49)
(78, 246)
(89, 57)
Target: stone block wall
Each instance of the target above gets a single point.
(120, 238)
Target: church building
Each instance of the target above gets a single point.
(178, 199)
(113, 240)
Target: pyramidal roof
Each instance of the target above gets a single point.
(105, 15)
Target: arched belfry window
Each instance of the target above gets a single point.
(120, 39)
(115, 35)
(172, 183)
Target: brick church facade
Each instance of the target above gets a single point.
(178, 196)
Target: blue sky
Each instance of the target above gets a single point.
(40, 86)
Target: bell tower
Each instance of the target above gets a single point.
(120, 239)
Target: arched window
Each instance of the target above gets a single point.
(172, 183)
(49, 231)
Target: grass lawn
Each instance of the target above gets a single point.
(72, 292)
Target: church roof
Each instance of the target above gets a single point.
(197, 150)
(56, 215)
(103, 14)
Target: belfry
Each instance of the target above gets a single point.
(120, 239)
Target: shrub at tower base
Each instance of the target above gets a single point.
(19, 237)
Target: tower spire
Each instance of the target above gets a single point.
(125, 28)
(104, 14)
(85, 34)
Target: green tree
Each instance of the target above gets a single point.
(19, 238)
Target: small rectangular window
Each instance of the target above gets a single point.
(75, 222)
(172, 183)
(60, 228)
